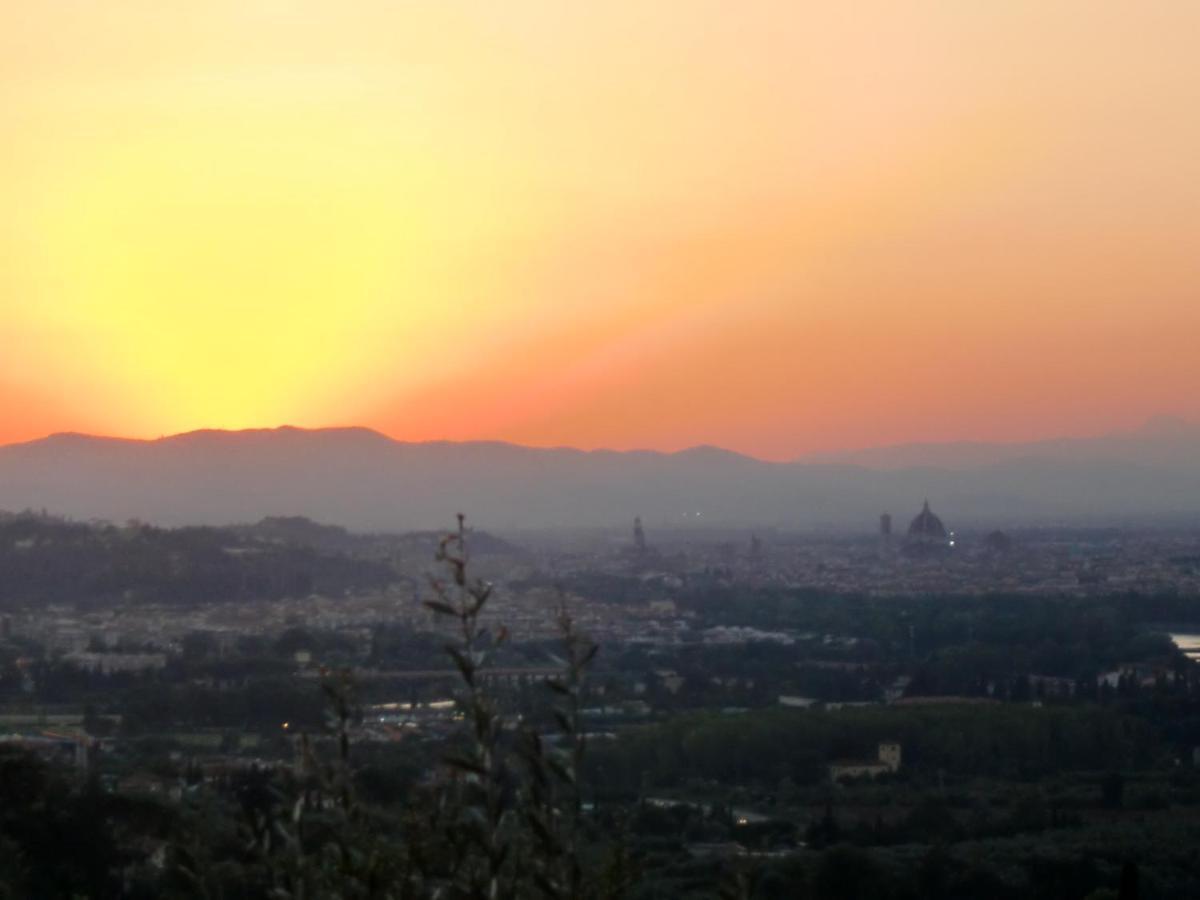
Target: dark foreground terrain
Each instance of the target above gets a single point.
(287, 710)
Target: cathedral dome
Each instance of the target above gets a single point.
(927, 526)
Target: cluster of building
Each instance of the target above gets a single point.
(929, 558)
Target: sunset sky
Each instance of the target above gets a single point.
(775, 227)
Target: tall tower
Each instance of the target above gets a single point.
(885, 532)
(639, 536)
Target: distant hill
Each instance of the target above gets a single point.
(298, 531)
(362, 480)
(1162, 441)
(49, 560)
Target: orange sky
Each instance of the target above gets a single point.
(772, 226)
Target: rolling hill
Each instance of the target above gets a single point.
(363, 480)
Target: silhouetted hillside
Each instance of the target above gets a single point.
(362, 480)
(47, 560)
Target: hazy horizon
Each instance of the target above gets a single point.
(366, 481)
(1156, 425)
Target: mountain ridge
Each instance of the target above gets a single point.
(363, 480)
(1162, 427)
(200, 435)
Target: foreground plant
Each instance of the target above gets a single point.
(502, 821)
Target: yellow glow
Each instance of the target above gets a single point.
(627, 224)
